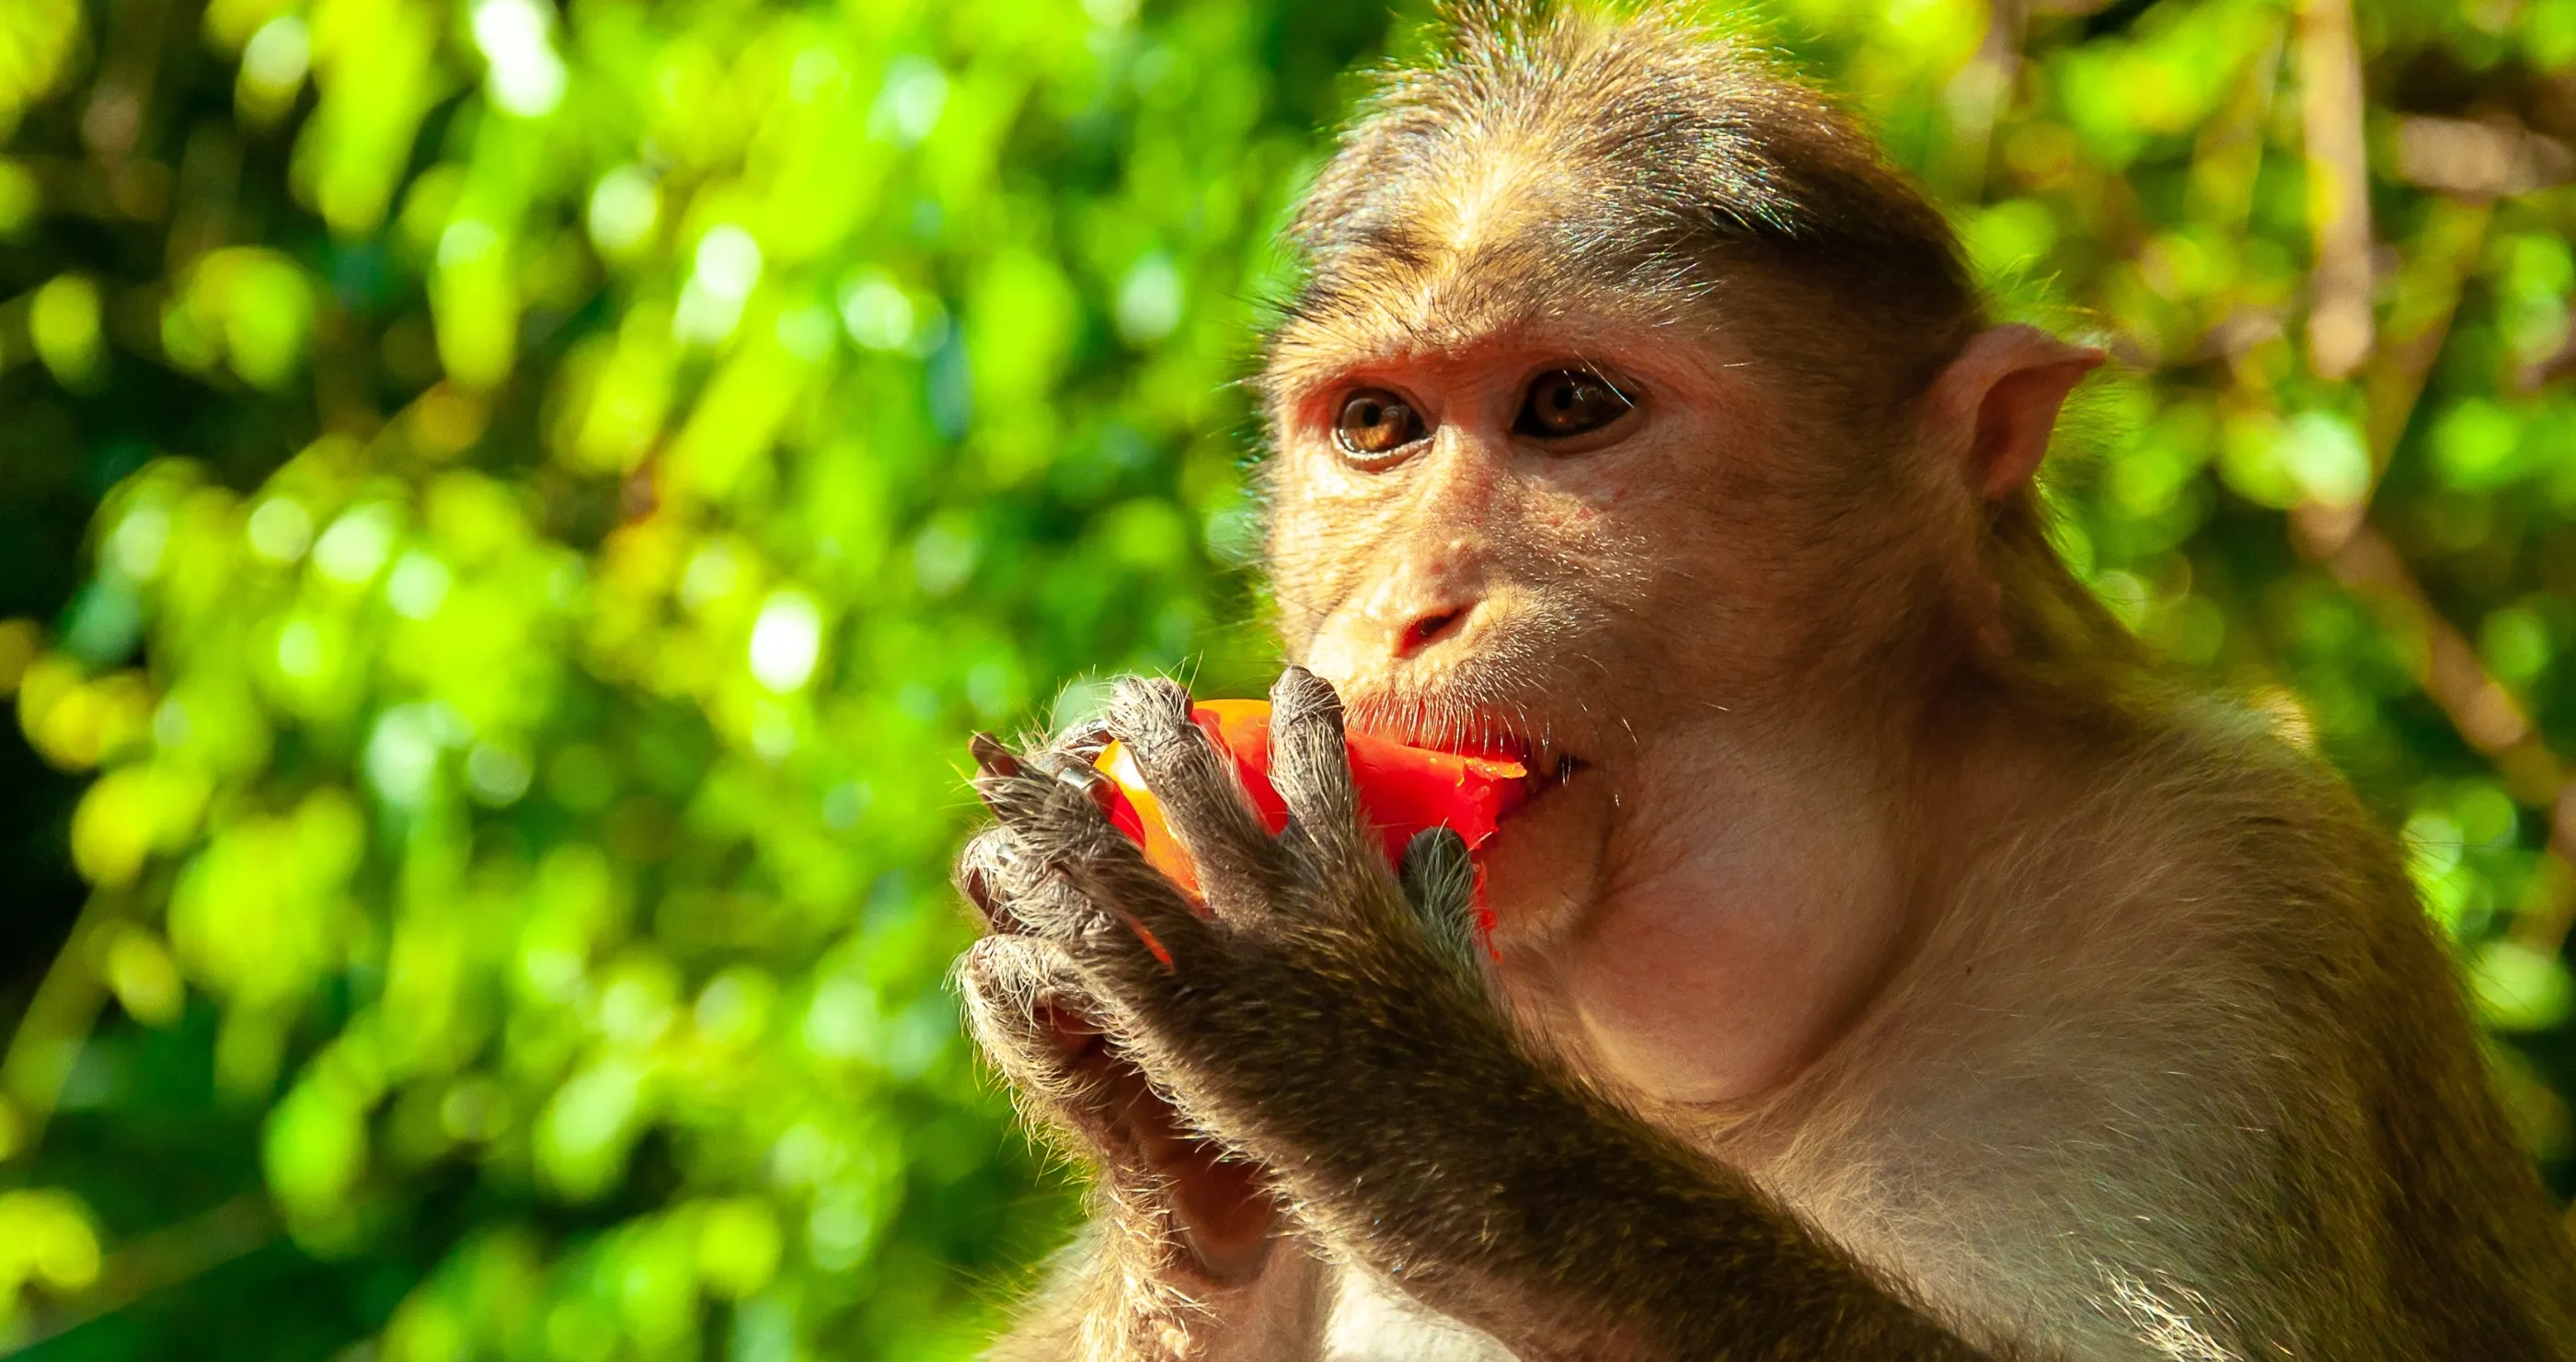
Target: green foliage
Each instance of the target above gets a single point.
(559, 485)
(593, 470)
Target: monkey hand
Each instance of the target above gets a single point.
(1328, 1019)
(1315, 1019)
(1195, 1217)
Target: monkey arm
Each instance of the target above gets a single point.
(1332, 1027)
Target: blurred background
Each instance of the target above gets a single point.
(508, 512)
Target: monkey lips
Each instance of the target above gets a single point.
(1403, 791)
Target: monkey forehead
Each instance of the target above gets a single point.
(1486, 232)
(1470, 302)
(1557, 159)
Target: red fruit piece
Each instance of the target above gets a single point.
(1403, 790)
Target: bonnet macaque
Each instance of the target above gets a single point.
(1889, 962)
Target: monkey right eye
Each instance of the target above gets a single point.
(1375, 423)
(1570, 402)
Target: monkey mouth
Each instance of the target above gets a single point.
(1548, 771)
(1547, 766)
(1469, 734)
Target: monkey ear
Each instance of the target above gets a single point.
(1999, 401)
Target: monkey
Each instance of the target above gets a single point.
(1892, 959)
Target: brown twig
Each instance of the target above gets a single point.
(2330, 105)
(156, 1262)
(1980, 93)
(2485, 713)
(56, 1024)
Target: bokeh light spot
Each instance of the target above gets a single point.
(786, 641)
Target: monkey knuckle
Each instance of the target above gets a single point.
(1180, 763)
(982, 864)
(989, 848)
(999, 1035)
(1012, 875)
(1006, 965)
(1066, 810)
(997, 998)
(985, 959)
(1069, 831)
(1013, 798)
(1080, 743)
(1051, 910)
(1101, 872)
(1008, 1042)
(1141, 705)
(1064, 765)
(1299, 696)
(1308, 863)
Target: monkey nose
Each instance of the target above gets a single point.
(1397, 624)
(1429, 627)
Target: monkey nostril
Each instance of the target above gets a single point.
(1429, 629)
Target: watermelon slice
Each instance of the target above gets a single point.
(1403, 790)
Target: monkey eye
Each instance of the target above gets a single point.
(1375, 423)
(1565, 402)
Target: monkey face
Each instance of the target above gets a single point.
(1583, 545)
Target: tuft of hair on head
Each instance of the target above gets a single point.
(1558, 157)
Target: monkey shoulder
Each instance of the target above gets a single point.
(2231, 882)
(2207, 1010)
(2206, 813)
(2161, 1004)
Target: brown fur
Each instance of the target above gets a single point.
(2166, 1063)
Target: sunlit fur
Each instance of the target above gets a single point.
(2175, 1068)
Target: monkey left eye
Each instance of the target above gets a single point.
(1569, 402)
(1375, 423)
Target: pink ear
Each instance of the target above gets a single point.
(2005, 389)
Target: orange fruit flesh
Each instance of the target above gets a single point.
(1403, 791)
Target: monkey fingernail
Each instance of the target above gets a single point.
(991, 758)
(997, 914)
(1094, 786)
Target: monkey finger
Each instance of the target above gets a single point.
(1310, 760)
(1047, 802)
(1036, 759)
(984, 869)
(1440, 884)
(1201, 797)
(1160, 937)
(1032, 1023)
(1006, 984)
(1075, 879)
(991, 758)
(1011, 797)
(1055, 909)
(1031, 995)
(1083, 742)
(1034, 986)
(1006, 781)
(997, 870)
(1012, 979)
